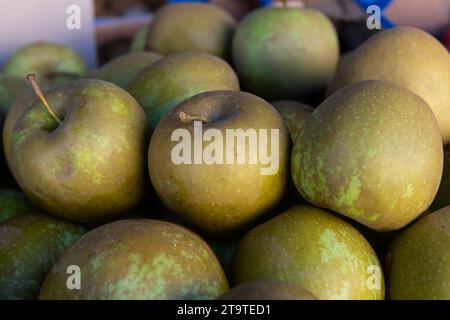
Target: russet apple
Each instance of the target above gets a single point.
(79, 152)
(219, 161)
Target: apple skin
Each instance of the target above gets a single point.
(124, 68)
(138, 259)
(54, 64)
(167, 82)
(193, 27)
(285, 53)
(294, 114)
(13, 203)
(92, 166)
(29, 245)
(219, 200)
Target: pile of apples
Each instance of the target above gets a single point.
(219, 154)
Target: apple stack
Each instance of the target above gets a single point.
(220, 154)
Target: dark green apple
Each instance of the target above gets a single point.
(29, 245)
(80, 153)
(138, 259)
(238, 169)
(13, 203)
(285, 53)
(122, 69)
(53, 63)
(294, 114)
(420, 259)
(167, 82)
(194, 27)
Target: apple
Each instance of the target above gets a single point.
(285, 53)
(124, 68)
(294, 114)
(197, 27)
(53, 63)
(219, 161)
(79, 152)
(162, 85)
(13, 203)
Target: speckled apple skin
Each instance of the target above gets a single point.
(164, 84)
(312, 248)
(91, 167)
(373, 152)
(420, 260)
(408, 57)
(138, 259)
(29, 245)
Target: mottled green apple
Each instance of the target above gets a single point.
(408, 57)
(238, 168)
(89, 167)
(314, 249)
(29, 245)
(373, 152)
(167, 82)
(196, 27)
(124, 68)
(138, 259)
(53, 63)
(420, 260)
(285, 53)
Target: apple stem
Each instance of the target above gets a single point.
(37, 90)
(285, 4)
(186, 118)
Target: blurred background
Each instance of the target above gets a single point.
(118, 21)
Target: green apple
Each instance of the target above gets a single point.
(294, 114)
(314, 249)
(238, 169)
(80, 152)
(53, 63)
(285, 53)
(138, 259)
(194, 27)
(124, 68)
(29, 245)
(13, 203)
(167, 82)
